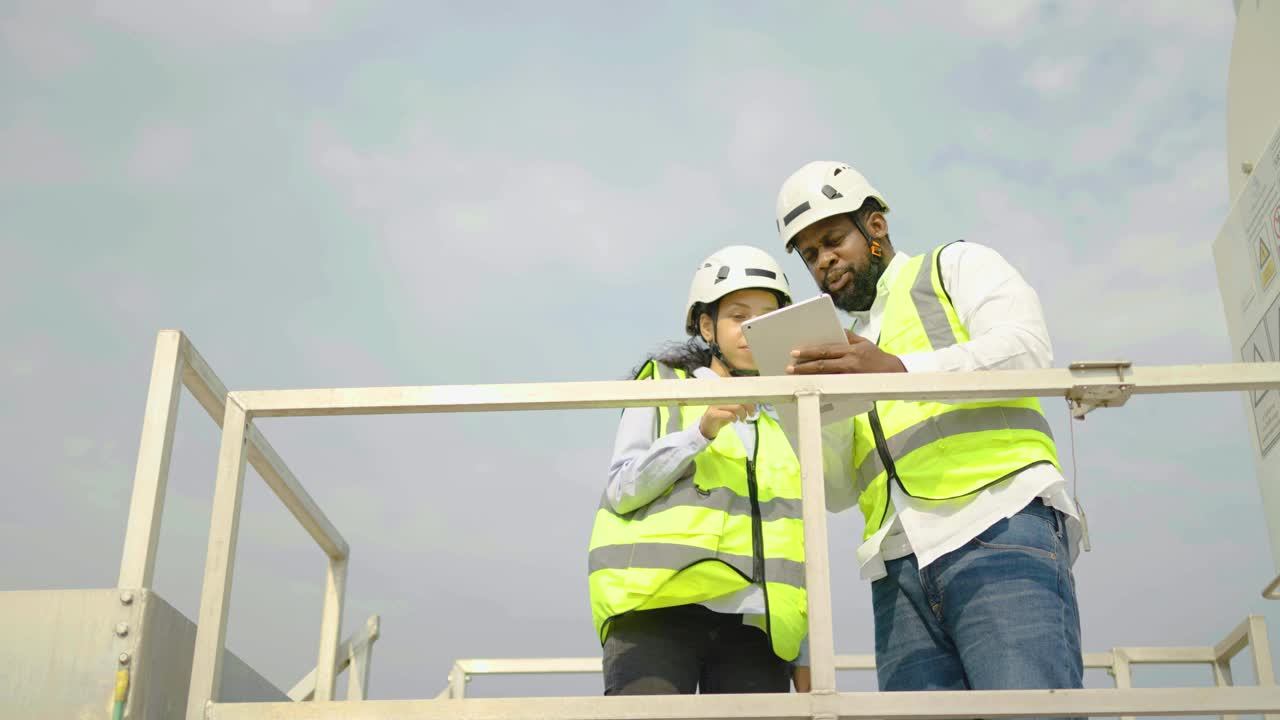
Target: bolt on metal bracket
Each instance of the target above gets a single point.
(1107, 389)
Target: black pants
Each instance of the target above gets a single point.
(684, 649)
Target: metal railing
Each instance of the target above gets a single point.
(1086, 386)
(354, 654)
(176, 364)
(1251, 634)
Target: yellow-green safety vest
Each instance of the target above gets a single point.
(934, 450)
(730, 522)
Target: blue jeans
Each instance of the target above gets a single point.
(998, 613)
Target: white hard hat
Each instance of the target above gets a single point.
(818, 191)
(736, 267)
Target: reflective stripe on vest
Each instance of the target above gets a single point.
(929, 308)
(939, 450)
(689, 495)
(948, 424)
(664, 372)
(683, 494)
(699, 540)
(669, 556)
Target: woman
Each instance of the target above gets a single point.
(697, 555)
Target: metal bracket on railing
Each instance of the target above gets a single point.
(458, 679)
(1272, 590)
(1108, 388)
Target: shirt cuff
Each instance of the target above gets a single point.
(921, 362)
(692, 438)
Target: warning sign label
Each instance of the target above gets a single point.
(1256, 225)
(1262, 347)
(1246, 255)
(1266, 263)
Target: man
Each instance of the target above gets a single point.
(970, 532)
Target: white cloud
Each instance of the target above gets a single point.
(976, 23)
(1001, 16)
(43, 38)
(1141, 116)
(1053, 78)
(772, 115)
(77, 446)
(26, 356)
(458, 219)
(767, 134)
(1147, 278)
(1122, 270)
(1202, 19)
(1096, 146)
(1030, 22)
(160, 154)
(192, 22)
(32, 154)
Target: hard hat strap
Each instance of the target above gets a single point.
(876, 263)
(713, 310)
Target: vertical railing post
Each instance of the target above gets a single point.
(215, 595)
(457, 682)
(1122, 669)
(151, 477)
(1222, 677)
(361, 658)
(1222, 673)
(330, 627)
(1260, 647)
(817, 568)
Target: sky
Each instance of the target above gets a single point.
(328, 194)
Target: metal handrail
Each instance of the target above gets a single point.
(1086, 386)
(354, 655)
(1251, 634)
(178, 364)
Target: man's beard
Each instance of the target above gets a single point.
(859, 293)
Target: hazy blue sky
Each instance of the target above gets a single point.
(330, 194)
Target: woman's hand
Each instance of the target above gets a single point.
(717, 416)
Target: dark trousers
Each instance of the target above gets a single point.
(686, 649)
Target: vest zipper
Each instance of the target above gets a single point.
(757, 521)
(757, 531)
(882, 449)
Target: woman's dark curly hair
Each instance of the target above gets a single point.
(688, 355)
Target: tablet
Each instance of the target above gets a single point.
(774, 335)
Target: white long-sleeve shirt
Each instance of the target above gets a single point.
(1007, 331)
(645, 465)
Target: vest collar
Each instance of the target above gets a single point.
(860, 319)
